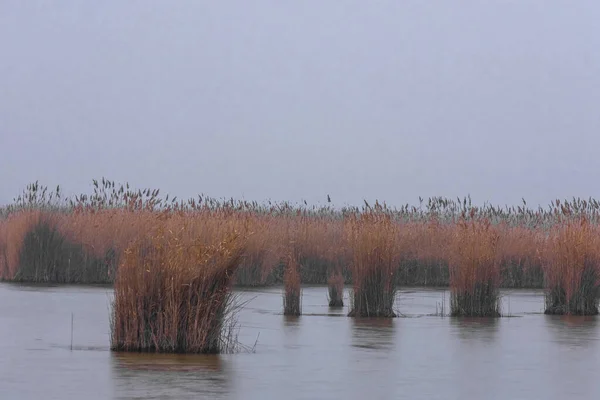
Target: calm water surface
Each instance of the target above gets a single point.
(321, 355)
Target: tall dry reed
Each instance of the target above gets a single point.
(573, 268)
(47, 238)
(262, 258)
(14, 230)
(518, 249)
(172, 292)
(425, 253)
(474, 270)
(336, 290)
(292, 291)
(373, 238)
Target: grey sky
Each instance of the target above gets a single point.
(296, 100)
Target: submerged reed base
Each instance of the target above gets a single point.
(374, 296)
(481, 301)
(583, 301)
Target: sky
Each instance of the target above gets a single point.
(297, 100)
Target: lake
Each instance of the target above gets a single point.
(321, 355)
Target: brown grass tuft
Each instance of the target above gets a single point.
(336, 290)
(573, 269)
(374, 241)
(474, 270)
(172, 292)
(291, 284)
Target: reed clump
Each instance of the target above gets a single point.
(474, 270)
(338, 255)
(573, 269)
(172, 292)
(373, 238)
(292, 287)
(336, 290)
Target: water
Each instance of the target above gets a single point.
(320, 355)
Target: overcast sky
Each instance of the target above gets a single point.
(293, 100)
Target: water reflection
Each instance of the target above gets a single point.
(373, 333)
(168, 362)
(53, 287)
(291, 328)
(478, 329)
(573, 330)
(291, 321)
(146, 376)
(31, 287)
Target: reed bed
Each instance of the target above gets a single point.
(474, 270)
(424, 260)
(13, 231)
(45, 237)
(261, 264)
(518, 251)
(46, 246)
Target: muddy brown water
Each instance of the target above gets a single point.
(320, 355)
